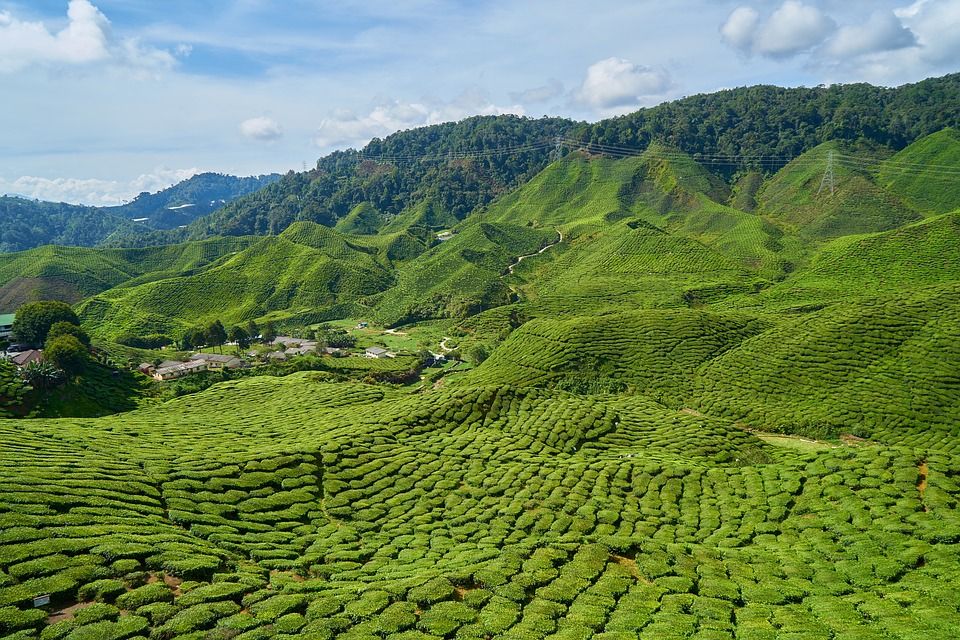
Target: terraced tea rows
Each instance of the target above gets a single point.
(286, 507)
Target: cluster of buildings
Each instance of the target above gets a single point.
(173, 369)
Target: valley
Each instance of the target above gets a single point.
(690, 388)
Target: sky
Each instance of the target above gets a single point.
(103, 99)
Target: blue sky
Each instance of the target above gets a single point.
(105, 98)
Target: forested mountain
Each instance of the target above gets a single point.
(446, 169)
(32, 223)
(449, 170)
(733, 128)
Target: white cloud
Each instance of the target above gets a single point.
(793, 28)
(261, 128)
(553, 89)
(882, 31)
(616, 84)
(93, 191)
(87, 38)
(740, 28)
(347, 128)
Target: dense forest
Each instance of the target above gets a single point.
(452, 167)
(31, 223)
(773, 122)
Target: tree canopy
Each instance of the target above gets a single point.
(34, 320)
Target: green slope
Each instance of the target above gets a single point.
(653, 353)
(916, 255)
(794, 198)
(927, 173)
(460, 276)
(73, 273)
(885, 367)
(309, 269)
(293, 507)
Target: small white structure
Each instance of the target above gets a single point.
(377, 352)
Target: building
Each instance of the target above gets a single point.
(180, 370)
(6, 325)
(278, 356)
(218, 361)
(287, 341)
(24, 358)
(377, 352)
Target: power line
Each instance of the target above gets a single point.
(828, 175)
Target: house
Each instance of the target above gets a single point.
(278, 356)
(179, 370)
(377, 352)
(443, 236)
(6, 325)
(362, 325)
(333, 351)
(302, 350)
(287, 341)
(146, 368)
(218, 361)
(24, 358)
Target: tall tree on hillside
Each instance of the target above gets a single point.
(269, 332)
(253, 329)
(216, 334)
(66, 353)
(63, 328)
(34, 320)
(240, 336)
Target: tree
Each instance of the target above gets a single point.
(216, 335)
(34, 320)
(67, 354)
(193, 338)
(68, 329)
(253, 329)
(478, 353)
(268, 332)
(240, 336)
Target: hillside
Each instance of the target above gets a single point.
(74, 273)
(31, 223)
(681, 398)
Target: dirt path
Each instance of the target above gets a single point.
(394, 332)
(443, 345)
(530, 255)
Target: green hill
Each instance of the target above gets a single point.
(794, 198)
(916, 255)
(307, 271)
(74, 273)
(925, 174)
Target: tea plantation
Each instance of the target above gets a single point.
(702, 411)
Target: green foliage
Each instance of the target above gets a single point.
(66, 353)
(13, 390)
(34, 320)
(62, 328)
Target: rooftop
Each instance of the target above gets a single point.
(6, 319)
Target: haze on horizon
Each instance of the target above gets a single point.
(107, 98)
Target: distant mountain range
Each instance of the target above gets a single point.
(31, 223)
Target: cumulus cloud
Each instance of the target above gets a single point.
(615, 84)
(883, 31)
(93, 191)
(347, 128)
(793, 28)
(262, 128)
(87, 38)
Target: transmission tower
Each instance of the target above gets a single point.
(827, 175)
(557, 152)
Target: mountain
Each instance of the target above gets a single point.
(700, 400)
(31, 223)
